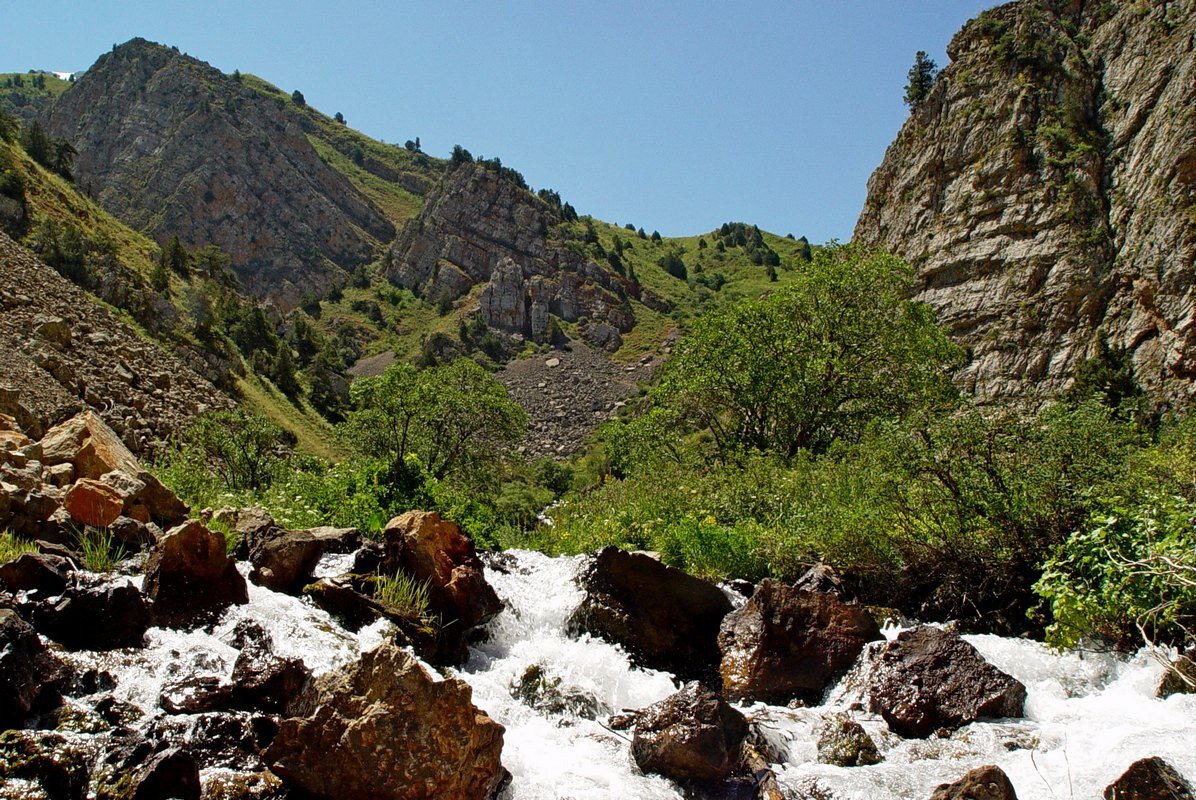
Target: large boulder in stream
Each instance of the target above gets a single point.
(95, 615)
(787, 643)
(692, 737)
(431, 549)
(384, 729)
(190, 578)
(983, 783)
(929, 679)
(664, 618)
(1149, 779)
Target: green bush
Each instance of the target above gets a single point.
(1128, 575)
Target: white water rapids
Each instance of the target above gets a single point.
(1088, 716)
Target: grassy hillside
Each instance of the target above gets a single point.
(27, 92)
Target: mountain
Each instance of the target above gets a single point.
(1045, 191)
(174, 147)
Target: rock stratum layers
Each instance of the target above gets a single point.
(173, 146)
(1045, 192)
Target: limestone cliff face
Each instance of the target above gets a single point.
(1045, 191)
(479, 228)
(174, 147)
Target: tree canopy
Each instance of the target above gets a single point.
(809, 364)
(456, 420)
(920, 79)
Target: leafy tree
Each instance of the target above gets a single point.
(920, 80)
(656, 236)
(241, 449)
(175, 257)
(298, 99)
(37, 143)
(339, 117)
(159, 278)
(811, 363)
(456, 421)
(460, 156)
(8, 127)
(671, 263)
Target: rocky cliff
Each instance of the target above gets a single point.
(1045, 191)
(63, 352)
(479, 228)
(173, 146)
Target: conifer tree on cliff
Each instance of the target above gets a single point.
(920, 79)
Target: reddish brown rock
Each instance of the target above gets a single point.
(983, 783)
(929, 679)
(787, 643)
(190, 578)
(428, 548)
(383, 729)
(93, 503)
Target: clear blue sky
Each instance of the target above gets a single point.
(676, 116)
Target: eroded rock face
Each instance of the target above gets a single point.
(429, 548)
(1149, 779)
(692, 736)
(665, 618)
(983, 783)
(1043, 191)
(190, 578)
(175, 147)
(927, 679)
(787, 643)
(383, 729)
(480, 228)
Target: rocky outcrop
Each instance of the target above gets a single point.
(983, 783)
(692, 736)
(383, 729)
(141, 391)
(1150, 779)
(928, 679)
(666, 619)
(479, 228)
(172, 146)
(787, 643)
(1044, 192)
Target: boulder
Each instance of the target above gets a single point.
(284, 561)
(218, 739)
(664, 618)
(787, 643)
(243, 786)
(196, 695)
(539, 689)
(843, 742)
(384, 729)
(36, 572)
(821, 578)
(983, 783)
(262, 681)
(138, 769)
(190, 578)
(692, 737)
(1149, 779)
(1180, 675)
(431, 549)
(101, 616)
(48, 761)
(134, 534)
(929, 679)
(90, 502)
(29, 673)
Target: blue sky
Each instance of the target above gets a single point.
(675, 116)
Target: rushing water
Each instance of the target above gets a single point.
(1088, 716)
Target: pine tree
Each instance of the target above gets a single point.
(921, 79)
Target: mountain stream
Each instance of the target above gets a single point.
(1088, 715)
